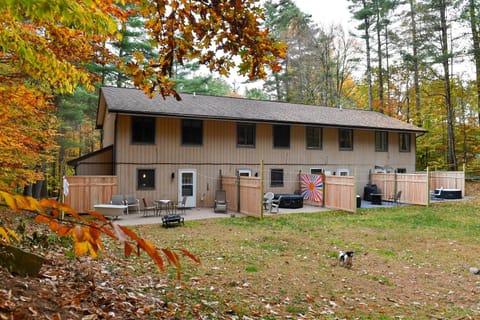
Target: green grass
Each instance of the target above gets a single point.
(459, 220)
(289, 262)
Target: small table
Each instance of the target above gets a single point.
(167, 205)
(376, 198)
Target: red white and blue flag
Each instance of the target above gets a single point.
(312, 187)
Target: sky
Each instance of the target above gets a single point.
(326, 12)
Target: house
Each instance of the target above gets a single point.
(166, 149)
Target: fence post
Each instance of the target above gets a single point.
(428, 187)
(355, 189)
(238, 191)
(324, 182)
(261, 188)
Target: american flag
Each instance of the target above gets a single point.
(312, 187)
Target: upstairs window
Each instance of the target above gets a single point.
(281, 136)
(143, 130)
(404, 142)
(245, 135)
(381, 141)
(314, 138)
(192, 132)
(345, 139)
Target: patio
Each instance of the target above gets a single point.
(203, 213)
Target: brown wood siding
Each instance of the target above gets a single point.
(109, 130)
(220, 152)
(96, 165)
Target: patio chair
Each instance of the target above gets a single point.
(395, 198)
(437, 193)
(148, 208)
(270, 203)
(118, 200)
(182, 205)
(220, 201)
(132, 202)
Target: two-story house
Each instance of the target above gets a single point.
(163, 148)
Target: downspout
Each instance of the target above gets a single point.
(114, 151)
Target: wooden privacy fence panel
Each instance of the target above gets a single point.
(340, 193)
(249, 190)
(416, 187)
(251, 198)
(448, 180)
(86, 191)
(229, 184)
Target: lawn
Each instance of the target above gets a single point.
(410, 263)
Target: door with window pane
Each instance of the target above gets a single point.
(187, 179)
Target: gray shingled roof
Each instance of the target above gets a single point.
(134, 101)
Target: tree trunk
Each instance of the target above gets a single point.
(476, 50)
(380, 60)
(416, 76)
(369, 68)
(451, 155)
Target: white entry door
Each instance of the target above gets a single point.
(187, 186)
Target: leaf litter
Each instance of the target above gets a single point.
(254, 272)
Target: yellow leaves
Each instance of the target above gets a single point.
(5, 234)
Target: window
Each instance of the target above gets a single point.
(145, 179)
(244, 172)
(276, 178)
(143, 130)
(314, 137)
(343, 172)
(381, 141)
(317, 171)
(245, 135)
(192, 132)
(404, 142)
(345, 139)
(281, 136)
(401, 170)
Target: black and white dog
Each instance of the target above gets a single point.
(345, 259)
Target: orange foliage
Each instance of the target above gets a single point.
(86, 231)
(45, 46)
(28, 135)
(211, 32)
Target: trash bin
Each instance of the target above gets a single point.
(359, 201)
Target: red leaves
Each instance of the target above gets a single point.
(87, 231)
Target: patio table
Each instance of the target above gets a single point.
(167, 205)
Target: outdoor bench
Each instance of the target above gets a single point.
(172, 220)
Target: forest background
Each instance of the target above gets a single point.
(418, 61)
